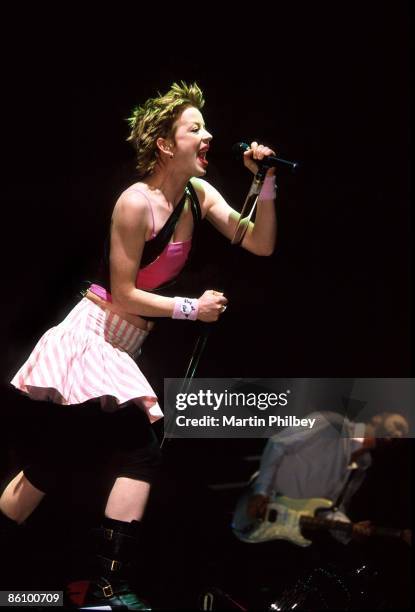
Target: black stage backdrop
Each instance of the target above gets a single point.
(326, 85)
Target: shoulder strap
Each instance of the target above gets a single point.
(197, 218)
(154, 247)
(196, 211)
(346, 485)
(168, 288)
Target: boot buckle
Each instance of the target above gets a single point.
(107, 590)
(108, 534)
(115, 565)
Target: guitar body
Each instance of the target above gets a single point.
(281, 521)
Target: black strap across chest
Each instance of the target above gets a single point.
(154, 247)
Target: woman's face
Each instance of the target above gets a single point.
(191, 142)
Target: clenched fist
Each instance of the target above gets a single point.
(211, 305)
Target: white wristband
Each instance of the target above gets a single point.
(185, 308)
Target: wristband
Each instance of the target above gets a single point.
(268, 191)
(185, 308)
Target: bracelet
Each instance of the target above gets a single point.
(185, 308)
(268, 191)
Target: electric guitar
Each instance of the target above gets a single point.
(285, 518)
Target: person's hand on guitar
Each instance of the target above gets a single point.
(257, 505)
(362, 530)
(406, 536)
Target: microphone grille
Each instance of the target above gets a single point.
(239, 149)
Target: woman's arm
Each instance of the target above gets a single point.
(260, 237)
(130, 223)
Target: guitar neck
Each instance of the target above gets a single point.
(313, 522)
(317, 523)
(387, 532)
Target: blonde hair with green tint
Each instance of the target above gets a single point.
(155, 119)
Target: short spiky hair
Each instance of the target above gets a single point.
(155, 119)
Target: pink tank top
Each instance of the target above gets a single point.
(166, 267)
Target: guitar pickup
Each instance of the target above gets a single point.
(272, 515)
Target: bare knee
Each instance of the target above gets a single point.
(20, 498)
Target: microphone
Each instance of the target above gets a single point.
(270, 160)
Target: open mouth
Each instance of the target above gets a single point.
(201, 156)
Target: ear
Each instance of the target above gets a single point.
(165, 146)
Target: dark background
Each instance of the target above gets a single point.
(324, 84)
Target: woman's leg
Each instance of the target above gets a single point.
(127, 499)
(117, 539)
(138, 459)
(20, 498)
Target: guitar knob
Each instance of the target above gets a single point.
(272, 515)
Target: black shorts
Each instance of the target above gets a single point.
(66, 440)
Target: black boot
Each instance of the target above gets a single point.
(115, 547)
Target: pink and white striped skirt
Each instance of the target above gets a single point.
(89, 355)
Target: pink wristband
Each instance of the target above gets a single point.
(268, 191)
(185, 308)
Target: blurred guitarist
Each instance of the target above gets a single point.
(328, 461)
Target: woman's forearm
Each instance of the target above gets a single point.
(144, 303)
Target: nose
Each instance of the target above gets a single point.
(207, 135)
